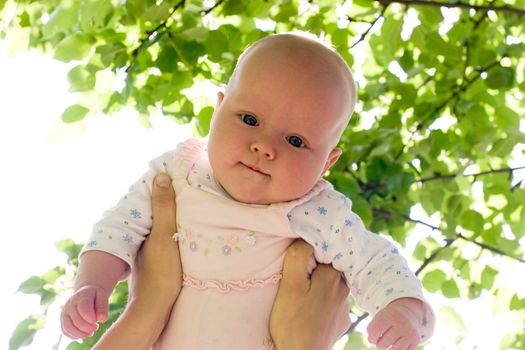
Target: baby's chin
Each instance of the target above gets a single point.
(249, 197)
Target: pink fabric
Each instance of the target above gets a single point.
(232, 255)
(228, 286)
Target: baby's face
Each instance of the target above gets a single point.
(274, 131)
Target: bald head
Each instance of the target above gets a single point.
(309, 59)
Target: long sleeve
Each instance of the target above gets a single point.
(374, 270)
(122, 229)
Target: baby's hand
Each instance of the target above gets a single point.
(398, 326)
(83, 311)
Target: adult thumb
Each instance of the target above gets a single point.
(299, 263)
(163, 204)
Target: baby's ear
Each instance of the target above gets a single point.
(220, 98)
(332, 158)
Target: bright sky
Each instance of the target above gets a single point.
(56, 180)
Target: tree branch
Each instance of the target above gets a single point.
(457, 4)
(152, 36)
(217, 4)
(490, 248)
(434, 255)
(482, 173)
(363, 36)
(354, 325)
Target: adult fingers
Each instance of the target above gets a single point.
(163, 204)
(326, 275)
(298, 265)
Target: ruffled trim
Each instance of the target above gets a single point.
(228, 286)
(186, 155)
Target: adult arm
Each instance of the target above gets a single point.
(311, 308)
(156, 282)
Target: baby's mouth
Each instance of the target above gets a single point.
(256, 169)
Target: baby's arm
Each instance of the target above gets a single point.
(109, 255)
(378, 276)
(383, 285)
(98, 273)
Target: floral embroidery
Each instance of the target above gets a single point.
(233, 239)
(348, 222)
(250, 239)
(127, 238)
(92, 244)
(222, 244)
(135, 213)
(322, 210)
(226, 250)
(324, 246)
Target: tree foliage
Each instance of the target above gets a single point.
(437, 125)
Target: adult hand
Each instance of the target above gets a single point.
(156, 281)
(311, 309)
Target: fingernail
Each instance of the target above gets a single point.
(163, 180)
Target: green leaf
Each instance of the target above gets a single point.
(74, 47)
(204, 118)
(24, 19)
(156, 13)
(217, 45)
(112, 55)
(451, 317)
(234, 7)
(25, 332)
(74, 113)
(472, 220)
(450, 289)
(69, 247)
(80, 79)
(516, 303)
(285, 11)
(500, 78)
(391, 33)
(63, 18)
(95, 14)
(52, 275)
(430, 15)
(33, 285)
(488, 276)
(433, 280)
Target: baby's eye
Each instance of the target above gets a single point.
(295, 141)
(249, 119)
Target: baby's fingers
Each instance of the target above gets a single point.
(405, 343)
(86, 310)
(388, 338)
(74, 326)
(377, 327)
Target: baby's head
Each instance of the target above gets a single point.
(275, 129)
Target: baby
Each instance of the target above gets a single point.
(242, 198)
